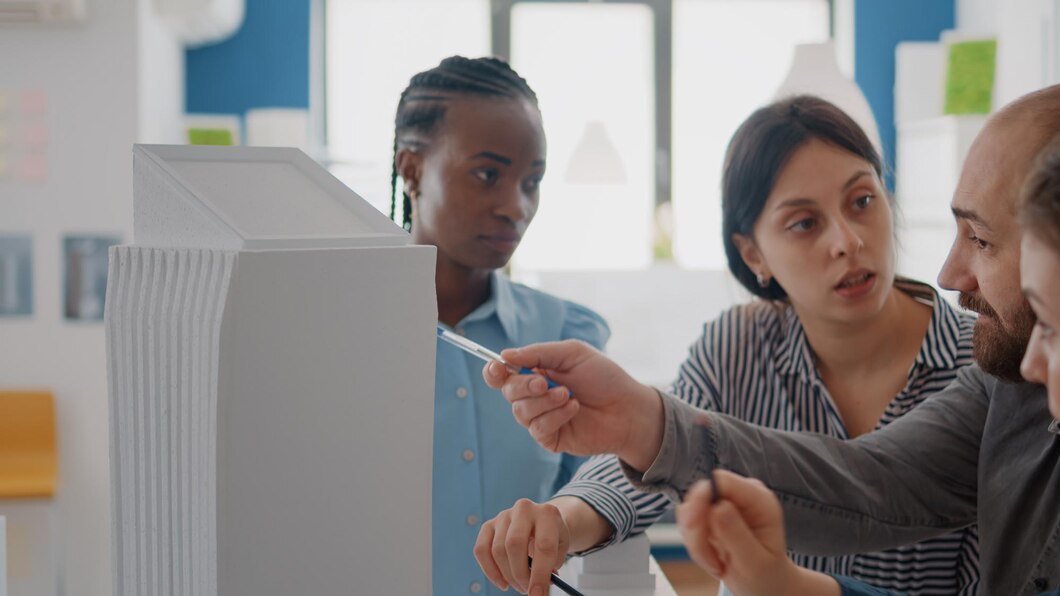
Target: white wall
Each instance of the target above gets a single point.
(978, 16)
(1028, 34)
(655, 314)
(114, 79)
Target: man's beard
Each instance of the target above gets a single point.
(998, 347)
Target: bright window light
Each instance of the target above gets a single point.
(729, 57)
(373, 49)
(592, 69)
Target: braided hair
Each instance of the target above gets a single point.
(423, 104)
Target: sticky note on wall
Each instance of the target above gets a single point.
(970, 77)
(210, 136)
(213, 129)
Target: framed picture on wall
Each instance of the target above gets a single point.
(85, 276)
(16, 275)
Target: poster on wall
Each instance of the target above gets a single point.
(16, 275)
(85, 276)
(24, 135)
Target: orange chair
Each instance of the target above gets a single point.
(29, 461)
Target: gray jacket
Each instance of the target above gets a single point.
(980, 450)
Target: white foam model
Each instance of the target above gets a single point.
(623, 569)
(270, 347)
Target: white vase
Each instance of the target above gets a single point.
(814, 71)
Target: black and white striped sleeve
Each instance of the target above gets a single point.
(600, 481)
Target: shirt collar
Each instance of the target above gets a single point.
(500, 302)
(938, 350)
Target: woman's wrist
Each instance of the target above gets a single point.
(813, 583)
(587, 528)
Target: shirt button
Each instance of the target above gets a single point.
(472, 520)
(469, 455)
(1040, 584)
(476, 587)
(461, 392)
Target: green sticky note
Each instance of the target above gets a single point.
(970, 77)
(210, 136)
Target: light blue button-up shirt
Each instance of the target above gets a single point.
(483, 460)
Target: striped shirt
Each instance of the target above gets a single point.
(754, 363)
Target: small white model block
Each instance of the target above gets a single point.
(621, 569)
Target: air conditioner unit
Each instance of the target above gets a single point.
(39, 11)
(202, 22)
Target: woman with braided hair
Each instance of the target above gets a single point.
(469, 148)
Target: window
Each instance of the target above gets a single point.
(372, 49)
(599, 115)
(595, 67)
(730, 56)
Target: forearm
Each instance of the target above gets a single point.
(601, 485)
(910, 481)
(587, 527)
(841, 497)
(646, 431)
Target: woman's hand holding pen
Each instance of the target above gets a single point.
(740, 539)
(526, 530)
(545, 531)
(611, 413)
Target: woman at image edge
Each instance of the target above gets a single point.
(809, 229)
(746, 529)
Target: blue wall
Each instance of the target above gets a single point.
(266, 64)
(878, 27)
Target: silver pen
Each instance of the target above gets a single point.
(486, 354)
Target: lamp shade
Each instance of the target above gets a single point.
(595, 159)
(814, 71)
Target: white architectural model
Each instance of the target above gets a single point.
(623, 569)
(270, 347)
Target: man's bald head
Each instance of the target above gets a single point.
(1018, 133)
(983, 264)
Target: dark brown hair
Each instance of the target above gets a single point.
(1040, 198)
(758, 152)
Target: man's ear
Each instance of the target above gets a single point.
(752, 257)
(409, 164)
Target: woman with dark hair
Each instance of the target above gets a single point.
(745, 532)
(469, 148)
(808, 229)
